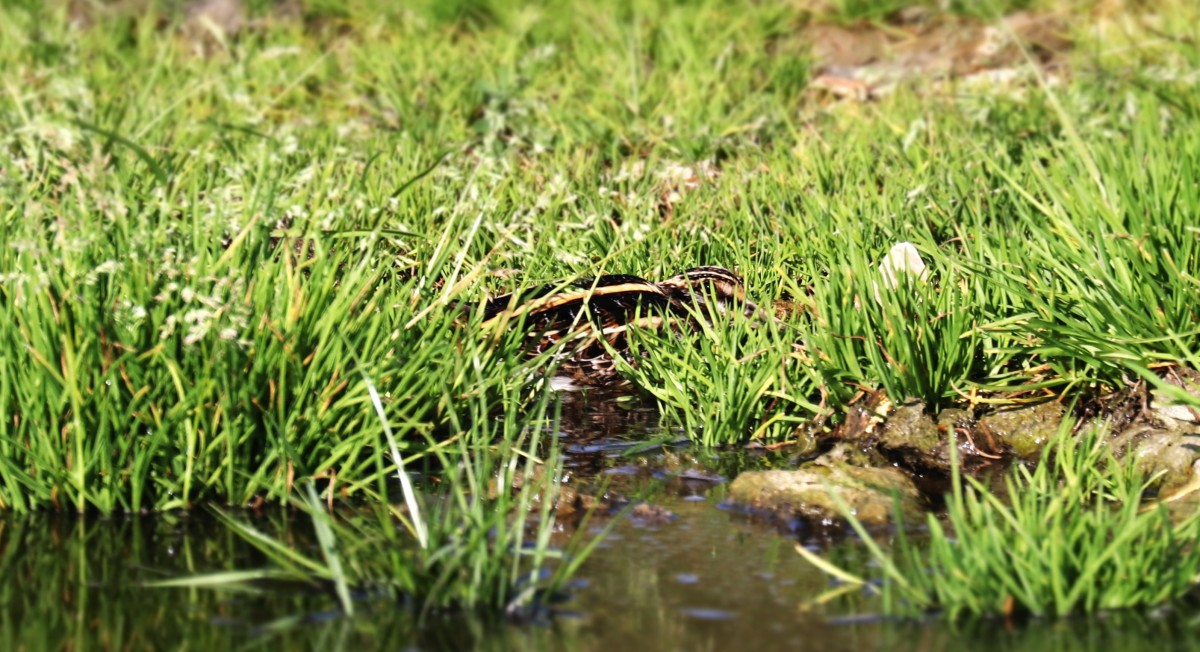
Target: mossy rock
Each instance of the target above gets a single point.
(871, 493)
(911, 435)
(1169, 452)
(1024, 430)
(916, 441)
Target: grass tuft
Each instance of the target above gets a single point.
(1072, 537)
(491, 545)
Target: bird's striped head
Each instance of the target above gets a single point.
(714, 289)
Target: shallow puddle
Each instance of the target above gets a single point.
(686, 575)
(680, 572)
(705, 579)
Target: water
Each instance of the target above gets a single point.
(707, 579)
(682, 572)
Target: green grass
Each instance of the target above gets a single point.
(235, 267)
(485, 540)
(729, 382)
(1069, 537)
(206, 250)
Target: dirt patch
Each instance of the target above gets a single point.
(866, 61)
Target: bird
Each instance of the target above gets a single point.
(588, 319)
(714, 291)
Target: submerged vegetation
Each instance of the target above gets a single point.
(238, 260)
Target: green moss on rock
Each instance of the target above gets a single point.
(870, 492)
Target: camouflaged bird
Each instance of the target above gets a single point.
(591, 312)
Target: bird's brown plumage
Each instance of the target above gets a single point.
(593, 311)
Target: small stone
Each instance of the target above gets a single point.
(871, 493)
(902, 258)
(912, 435)
(1025, 430)
(1170, 453)
(1167, 407)
(645, 514)
(1167, 410)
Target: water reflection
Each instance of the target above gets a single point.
(706, 579)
